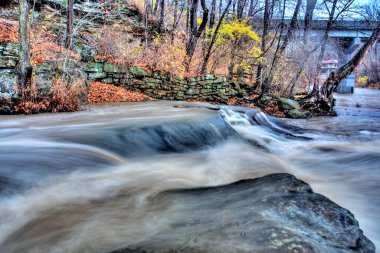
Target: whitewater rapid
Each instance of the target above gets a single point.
(83, 182)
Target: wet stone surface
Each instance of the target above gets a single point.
(274, 213)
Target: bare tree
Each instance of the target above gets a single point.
(310, 6)
(307, 52)
(69, 24)
(162, 15)
(337, 8)
(322, 103)
(253, 8)
(240, 8)
(24, 66)
(175, 14)
(212, 14)
(323, 44)
(264, 37)
(335, 77)
(281, 46)
(213, 38)
(195, 31)
(156, 7)
(176, 18)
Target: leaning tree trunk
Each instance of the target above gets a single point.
(24, 66)
(322, 103)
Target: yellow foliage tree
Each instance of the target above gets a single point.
(237, 45)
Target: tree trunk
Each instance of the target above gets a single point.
(338, 75)
(310, 6)
(267, 82)
(322, 103)
(266, 22)
(24, 66)
(193, 9)
(175, 14)
(323, 47)
(156, 7)
(188, 16)
(252, 7)
(69, 24)
(213, 39)
(194, 32)
(308, 19)
(292, 26)
(212, 14)
(146, 19)
(240, 8)
(162, 15)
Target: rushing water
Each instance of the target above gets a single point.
(81, 182)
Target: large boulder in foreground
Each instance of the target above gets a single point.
(275, 213)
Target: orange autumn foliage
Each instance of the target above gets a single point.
(39, 60)
(42, 50)
(273, 109)
(61, 98)
(8, 31)
(106, 93)
(43, 44)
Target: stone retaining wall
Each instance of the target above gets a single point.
(163, 85)
(159, 85)
(8, 63)
(44, 73)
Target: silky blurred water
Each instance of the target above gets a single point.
(81, 182)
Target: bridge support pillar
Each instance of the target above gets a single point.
(347, 85)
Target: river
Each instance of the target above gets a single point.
(79, 182)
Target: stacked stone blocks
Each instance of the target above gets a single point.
(162, 85)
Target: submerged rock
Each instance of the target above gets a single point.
(275, 213)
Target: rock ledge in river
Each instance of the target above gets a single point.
(274, 213)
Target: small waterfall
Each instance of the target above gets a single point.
(88, 181)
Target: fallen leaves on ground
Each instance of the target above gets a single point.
(106, 93)
(8, 31)
(270, 108)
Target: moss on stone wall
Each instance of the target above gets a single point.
(163, 85)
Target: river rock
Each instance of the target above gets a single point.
(292, 109)
(297, 114)
(288, 104)
(274, 213)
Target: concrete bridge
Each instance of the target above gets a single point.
(350, 35)
(345, 29)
